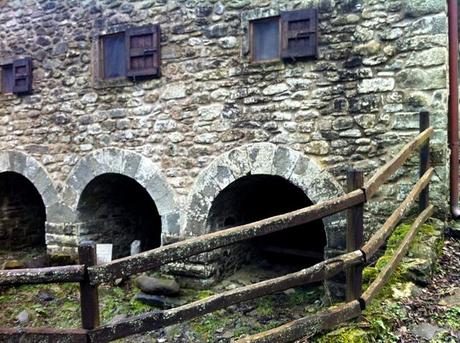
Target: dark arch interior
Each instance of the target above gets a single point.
(256, 197)
(22, 213)
(115, 209)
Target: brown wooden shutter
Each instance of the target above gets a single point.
(143, 51)
(299, 34)
(22, 76)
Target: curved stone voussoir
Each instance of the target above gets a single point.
(127, 163)
(256, 159)
(27, 166)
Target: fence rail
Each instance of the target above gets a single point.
(90, 275)
(63, 274)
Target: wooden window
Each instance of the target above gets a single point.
(265, 39)
(130, 54)
(22, 76)
(292, 35)
(143, 51)
(299, 34)
(7, 78)
(113, 51)
(16, 77)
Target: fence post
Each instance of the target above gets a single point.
(355, 235)
(89, 298)
(424, 159)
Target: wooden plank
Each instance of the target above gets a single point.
(43, 335)
(155, 258)
(355, 236)
(15, 277)
(158, 319)
(307, 326)
(424, 123)
(385, 274)
(379, 237)
(89, 296)
(374, 183)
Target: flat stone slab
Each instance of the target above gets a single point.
(157, 286)
(159, 301)
(451, 300)
(425, 330)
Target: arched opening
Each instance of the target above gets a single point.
(114, 208)
(22, 213)
(256, 197)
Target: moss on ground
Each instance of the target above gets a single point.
(382, 314)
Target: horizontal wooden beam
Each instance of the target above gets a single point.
(155, 258)
(381, 235)
(374, 183)
(158, 319)
(14, 277)
(45, 335)
(388, 270)
(307, 326)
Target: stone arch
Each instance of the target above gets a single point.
(268, 159)
(133, 165)
(27, 166)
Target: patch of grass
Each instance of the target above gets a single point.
(207, 325)
(265, 306)
(302, 297)
(265, 327)
(64, 310)
(450, 318)
(444, 337)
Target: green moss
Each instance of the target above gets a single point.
(204, 294)
(382, 262)
(369, 274)
(383, 312)
(396, 237)
(346, 335)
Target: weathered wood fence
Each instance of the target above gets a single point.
(90, 275)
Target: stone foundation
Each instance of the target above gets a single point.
(214, 117)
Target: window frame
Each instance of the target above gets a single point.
(97, 52)
(13, 63)
(249, 16)
(101, 57)
(3, 66)
(251, 22)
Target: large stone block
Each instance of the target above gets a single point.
(418, 8)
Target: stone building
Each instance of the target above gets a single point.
(158, 120)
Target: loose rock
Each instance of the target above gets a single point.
(153, 285)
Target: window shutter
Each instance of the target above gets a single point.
(143, 51)
(22, 76)
(299, 34)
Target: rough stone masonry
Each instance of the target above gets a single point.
(214, 116)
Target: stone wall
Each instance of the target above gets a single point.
(379, 63)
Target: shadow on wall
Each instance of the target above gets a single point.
(22, 213)
(254, 197)
(114, 208)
